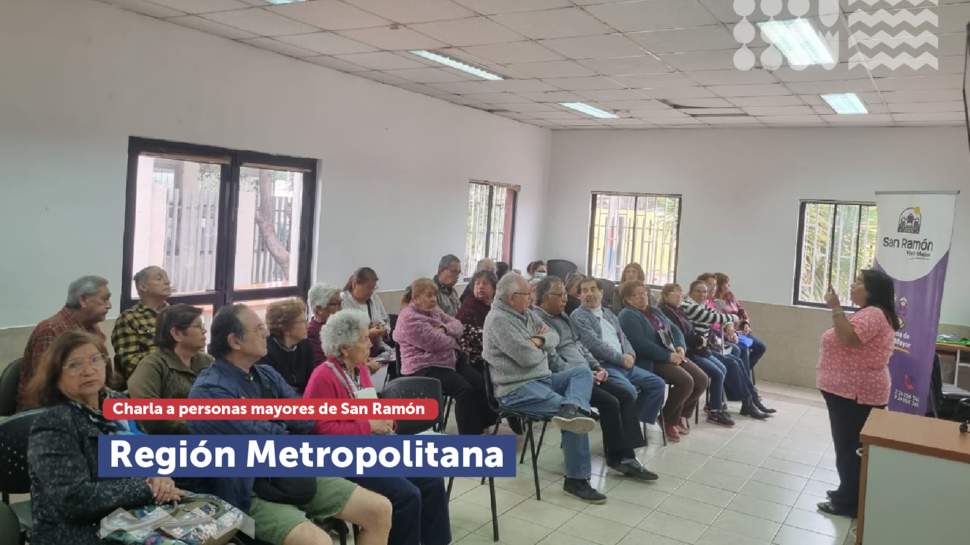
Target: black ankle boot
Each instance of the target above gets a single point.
(761, 406)
(748, 409)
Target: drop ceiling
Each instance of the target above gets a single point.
(655, 63)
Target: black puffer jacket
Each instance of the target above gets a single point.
(67, 497)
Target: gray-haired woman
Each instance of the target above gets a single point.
(323, 300)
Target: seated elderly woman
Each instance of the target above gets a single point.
(428, 339)
(486, 264)
(360, 293)
(572, 291)
(68, 498)
(633, 272)
(287, 348)
(323, 300)
(472, 315)
(420, 505)
(169, 371)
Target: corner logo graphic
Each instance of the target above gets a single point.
(910, 221)
(890, 33)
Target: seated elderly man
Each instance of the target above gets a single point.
(516, 347)
(600, 331)
(449, 271)
(613, 396)
(88, 302)
(133, 336)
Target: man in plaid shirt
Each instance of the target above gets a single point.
(134, 334)
(88, 302)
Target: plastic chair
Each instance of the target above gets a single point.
(14, 473)
(9, 381)
(415, 388)
(560, 267)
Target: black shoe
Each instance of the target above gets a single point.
(581, 489)
(830, 493)
(516, 424)
(634, 469)
(761, 406)
(748, 409)
(570, 419)
(828, 507)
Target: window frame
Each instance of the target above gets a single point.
(223, 292)
(510, 236)
(636, 195)
(802, 205)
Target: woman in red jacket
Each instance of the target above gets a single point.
(420, 504)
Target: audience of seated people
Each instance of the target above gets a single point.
(360, 293)
(449, 271)
(660, 348)
(68, 499)
(169, 371)
(428, 342)
(288, 350)
(420, 504)
(133, 336)
(483, 265)
(613, 395)
(88, 303)
(572, 291)
(600, 331)
(516, 346)
(726, 302)
(238, 342)
(633, 272)
(324, 300)
(472, 315)
(536, 270)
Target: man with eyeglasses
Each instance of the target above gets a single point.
(449, 271)
(516, 347)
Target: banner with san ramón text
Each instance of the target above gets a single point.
(913, 247)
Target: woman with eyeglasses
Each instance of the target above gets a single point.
(68, 499)
(169, 370)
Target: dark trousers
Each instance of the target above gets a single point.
(619, 420)
(756, 350)
(688, 383)
(847, 417)
(420, 508)
(467, 386)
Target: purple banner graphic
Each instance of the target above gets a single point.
(911, 365)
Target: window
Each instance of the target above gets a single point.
(491, 223)
(634, 227)
(835, 240)
(228, 226)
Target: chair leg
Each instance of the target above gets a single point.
(663, 428)
(451, 481)
(494, 432)
(542, 435)
(444, 424)
(529, 441)
(535, 459)
(491, 492)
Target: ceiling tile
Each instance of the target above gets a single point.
(582, 84)
(786, 100)
(383, 77)
(841, 71)
(710, 111)
(202, 6)
(947, 81)
(676, 79)
(835, 119)
(211, 27)
(522, 85)
(779, 110)
(329, 15)
(794, 120)
(326, 43)
(928, 95)
(701, 103)
(280, 47)
(749, 90)
(921, 107)
(701, 60)
(730, 120)
(825, 87)
(555, 23)
(381, 60)
(551, 69)
(591, 47)
(731, 77)
(393, 38)
(930, 116)
(724, 11)
(531, 107)
(553, 96)
(471, 31)
(497, 98)
(146, 8)
(626, 66)
(429, 75)
(335, 63)
(513, 52)
(261, 22)
(953, 18)
(653, 15)
(644, 104)
(677, 93)
(491, 7)
(413, 11)
(601, 95)
(684, 40)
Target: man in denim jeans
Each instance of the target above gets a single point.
(516, 346)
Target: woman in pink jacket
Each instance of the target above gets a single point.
(428, 339)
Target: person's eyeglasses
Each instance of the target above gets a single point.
(521, 293)
(74, 367)
(555, 294)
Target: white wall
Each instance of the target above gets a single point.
(741, 190)
(79, 77)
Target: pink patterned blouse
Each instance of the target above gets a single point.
(858, 373)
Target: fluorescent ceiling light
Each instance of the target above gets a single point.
(457, 65)
(798, 41)
(845, 103)
(589, 110)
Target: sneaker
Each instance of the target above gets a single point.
(707, 408)
(673, 435)
(634, 469)
(683, 426)
(570, 419)
(720, 418)
(581, 489)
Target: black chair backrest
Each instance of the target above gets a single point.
(607, 287)
(392, 321)
(415, 388)
(489, 387)
(14, 435)
(9, 381)
(560, 267)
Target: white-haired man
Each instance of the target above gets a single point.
(133, 336)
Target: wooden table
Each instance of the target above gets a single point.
(915, 478)
(957, 350)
